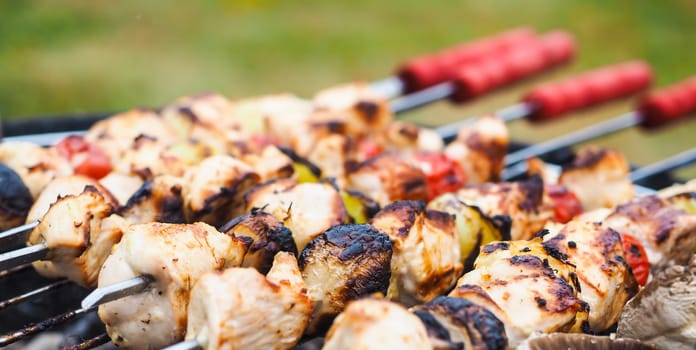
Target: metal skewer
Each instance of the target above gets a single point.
(672, 163)
(657, 109)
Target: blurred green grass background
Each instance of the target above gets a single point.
(72, 56)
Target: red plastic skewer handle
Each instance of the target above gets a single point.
(666, 105)
(428, 70)
(549, 50)
(594, 87)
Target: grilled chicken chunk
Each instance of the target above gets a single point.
(599, 178)
(523, 201)
(376, 324)
(666, 233)
(55, 189)
(36, 165)
(239, 308)
(268, 237)
(116, 134)
(122, 186)
(158, 200)
(606, 280)
(270, 164)
(388, 178)
(214, 190)
(426, 260)
(664, 312)
(404, 136)
(356, 106)
(480, 149)
(175, 256)
(458, 323)
(529, 282)
(79, 234)
(344, 263)
(148, 157)
(307, 209)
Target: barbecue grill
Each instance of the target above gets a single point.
(62, 298)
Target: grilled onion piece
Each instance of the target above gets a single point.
(376, 324)
(175, 256)
(426, 260)
(239, 308)
(344, 263)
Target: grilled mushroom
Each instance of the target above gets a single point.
(344, 263)
(664, 312)
(240, 308)
(268, 237)
(175, 256)
(426, 260)
(376, 324)
(15, 198)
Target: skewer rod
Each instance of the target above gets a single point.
(417, 99)
(22, 256)
(671, 163)
(388, 88)
(34, 293)
(115, 291)
(13, 235)
(610, 126)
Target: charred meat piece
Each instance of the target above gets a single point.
(388, 178)
(214, 190)
(667, 233)
(268, 237)
(79, 234)
(523, 201)
(344, 263)
(605, 278)
(175, 256)
(480, 149)
(426, 260)
(122, 186)
(376, 324)
(157, 200)
(148, 157)
(467, 325)
(240, 308)
(15, 199)
(664, 312)
(404, 136)
(533, 285)
(599, 178)
(271, 163)
(307, 209)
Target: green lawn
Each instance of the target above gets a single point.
(66, 56)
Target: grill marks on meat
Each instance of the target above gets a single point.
(599, 178)
(525, 202)
(79, 235)
(480, 149)
(157, 200)
(214, 190)
(268, 237)
(240, 308)
(535, 290)
(606, 281)
(376, 324)
(307, 209)
(175, 256)
(667, 233)
(344, 263)
(468, 326)
(426, 260)
(388, 178)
